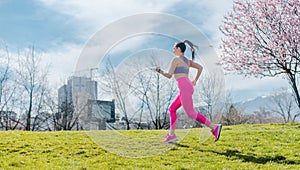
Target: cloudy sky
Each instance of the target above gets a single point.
(60, 29)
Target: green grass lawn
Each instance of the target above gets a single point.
(269, 146)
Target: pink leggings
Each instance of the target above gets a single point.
(184, 98)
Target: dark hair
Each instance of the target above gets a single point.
(182, 47)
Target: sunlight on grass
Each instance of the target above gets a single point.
(205, 134)
(136, 143)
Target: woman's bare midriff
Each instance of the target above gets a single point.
(177, 76)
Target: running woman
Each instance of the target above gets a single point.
(180, 70)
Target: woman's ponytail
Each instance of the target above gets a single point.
(192, 48)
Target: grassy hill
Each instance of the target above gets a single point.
(269, 146)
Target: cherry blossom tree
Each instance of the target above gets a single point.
(262, 38)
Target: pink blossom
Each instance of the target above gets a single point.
(257, 32)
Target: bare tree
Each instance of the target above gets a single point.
(114, 83)
(234, 117)
(9, 120)
(151, 92)
(211, 92)
(43, 122)
(32, 79)
(155, 94)
(70, 111)
(161, 96)
(264, 116)
(141, 94)
(140, 87)
(285, 105)
(51, 102)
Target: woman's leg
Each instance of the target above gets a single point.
(173, 117)
(186, 92)
(188, 106)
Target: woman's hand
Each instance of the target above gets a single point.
(194, 82)
(158, 69)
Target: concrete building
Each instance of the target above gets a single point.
(78, 101)
(77, 87)
(8, 120)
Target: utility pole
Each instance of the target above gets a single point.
(91, 72)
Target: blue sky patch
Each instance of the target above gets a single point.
(25, 23)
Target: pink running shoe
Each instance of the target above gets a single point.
(217, 131)
(170, 139)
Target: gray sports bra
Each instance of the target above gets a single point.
(182, 69)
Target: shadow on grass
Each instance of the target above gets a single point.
(248, 158)
(181, 145)
(260, 160)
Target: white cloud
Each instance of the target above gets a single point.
(62, 62)
(93, 15)
(215, 12)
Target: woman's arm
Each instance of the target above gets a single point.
(171, 70)
(168, 75)
(199, 70)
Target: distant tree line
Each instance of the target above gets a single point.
(142, 97)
